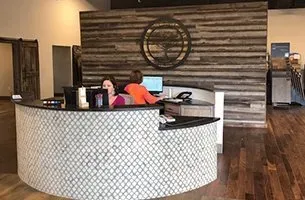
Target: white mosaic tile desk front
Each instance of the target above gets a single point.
(111, 155)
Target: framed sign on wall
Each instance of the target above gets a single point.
(165, 43)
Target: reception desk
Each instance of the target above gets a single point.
(113, 153)
(201, 93)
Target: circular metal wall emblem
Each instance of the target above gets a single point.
(165, 43)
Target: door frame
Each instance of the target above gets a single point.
(16, 46)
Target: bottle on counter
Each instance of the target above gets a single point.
(98, 100)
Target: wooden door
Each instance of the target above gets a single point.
(29, 68)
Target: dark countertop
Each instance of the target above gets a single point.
(39, 104)
(181, 121)
(187, 122)
(192, 102)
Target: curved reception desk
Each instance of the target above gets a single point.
(205, 93)
(113, 153)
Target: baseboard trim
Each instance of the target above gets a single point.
(5, 97)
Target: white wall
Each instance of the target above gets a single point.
(288, 26)
(52, 22)
(6, 69)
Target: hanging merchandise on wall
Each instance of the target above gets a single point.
(295, 58)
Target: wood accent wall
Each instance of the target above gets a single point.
(228, 51)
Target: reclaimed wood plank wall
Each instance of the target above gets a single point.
(228, 51)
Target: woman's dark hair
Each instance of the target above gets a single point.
(113, 81)
(136, 76)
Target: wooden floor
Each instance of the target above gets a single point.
(256, 164)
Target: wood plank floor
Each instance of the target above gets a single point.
(8, 153)
(256, 164)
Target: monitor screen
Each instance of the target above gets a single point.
(72, 92)
(153, 83)
(92, 99)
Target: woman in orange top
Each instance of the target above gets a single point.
(139, 92)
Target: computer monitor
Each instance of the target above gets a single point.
(72, 92)
(153, 84)
(91, 92)
(70, 95)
